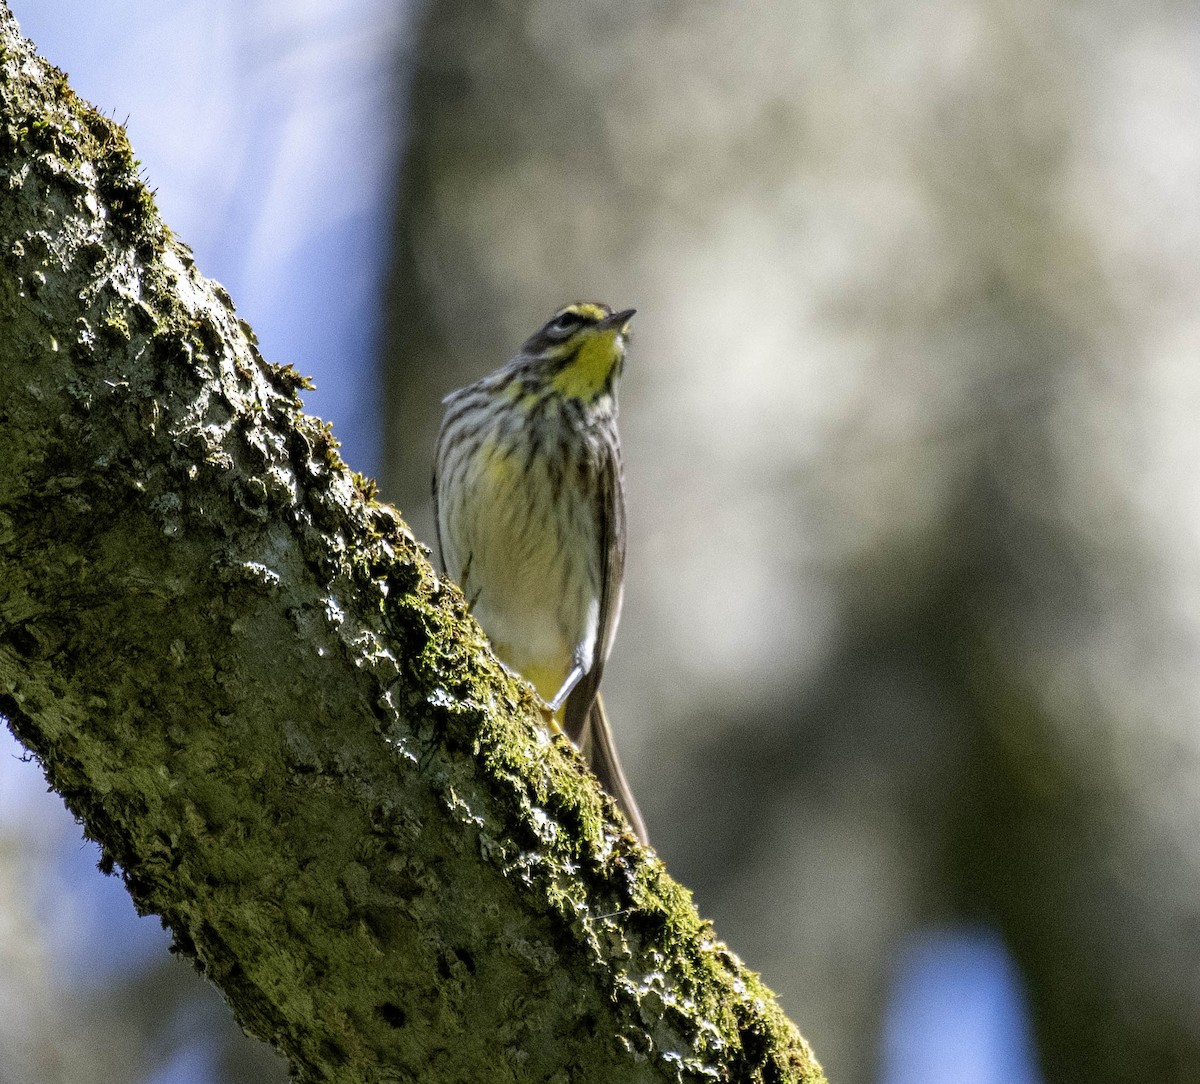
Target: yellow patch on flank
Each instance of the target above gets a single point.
(547, 680)
(499, 466)
(586, 373)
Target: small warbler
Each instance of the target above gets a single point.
(530, 510)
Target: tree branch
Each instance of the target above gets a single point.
(244, 678)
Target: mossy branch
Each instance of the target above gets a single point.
(244, 678)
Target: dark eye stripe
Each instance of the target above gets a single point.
(564, 326)
(567, 322)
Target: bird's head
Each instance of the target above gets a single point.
(582, 347)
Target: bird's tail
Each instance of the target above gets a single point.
(596, 744)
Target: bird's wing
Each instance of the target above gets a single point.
(610, 540)
(444, 465)
(437, 519)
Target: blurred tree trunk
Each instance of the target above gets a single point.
(829, 198)
(243, 677)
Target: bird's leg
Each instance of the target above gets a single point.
(552, 707)
(573, 679)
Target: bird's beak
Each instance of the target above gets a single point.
(618, 320)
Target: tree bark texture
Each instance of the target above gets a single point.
(246, 681)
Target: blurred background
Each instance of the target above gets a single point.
(907, 677)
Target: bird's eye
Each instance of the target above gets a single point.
(567, 321)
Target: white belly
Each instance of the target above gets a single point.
(536, 598)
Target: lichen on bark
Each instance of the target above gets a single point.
(283, 729)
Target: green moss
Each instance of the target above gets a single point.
(115, 326)
(248, 682)
(289, 380)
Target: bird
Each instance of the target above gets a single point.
(528, 497)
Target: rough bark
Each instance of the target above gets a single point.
(244, 678)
